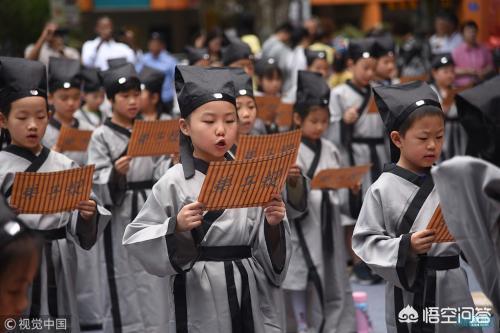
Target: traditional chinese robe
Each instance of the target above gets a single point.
(382, 239)
(218, 276)
(134, 301)
(318, 249)
(53, 291)
(471, 208)
(364, 141)
(52, 134)
(455, 138)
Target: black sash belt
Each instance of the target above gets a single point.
(241, 316)
(36, 291)
(425, 294)
(136, 188)
(313, 274)
(372, 144)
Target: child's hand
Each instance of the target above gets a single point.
(123, 164)
(275, 210)
(356, 188)
(189, 217)
(351, 116)
(87, 209)
(293, 175)
(14, 209)
(56, 148)
(421, 241)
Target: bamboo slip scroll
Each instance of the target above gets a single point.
(267, 106)
(438, 224)
(249, 183)
(284, 115)
(339, 178)
(372, 106)
(51, 192)
(255, 146)
(73, 139)
(154, 138)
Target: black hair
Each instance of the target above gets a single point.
(424, 111)
(303, 111)
(285, 27)
(134, 84)
(19, 250)
(270, 72)
(470, 24)
(339, 62)
(448, 16)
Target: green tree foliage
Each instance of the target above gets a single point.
(21, 22)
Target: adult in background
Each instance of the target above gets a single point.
(446, 38)
(50, 44)
(473, 61)
(158, 58)
(96, 52)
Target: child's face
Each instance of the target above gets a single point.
(213, 129)
(247, 112)
(15, 286)
(385, 67)
(246, 65)
(127, 103)
(65, 102)
(363, 70)
(148, 100)
(422, 143)
(271, 85)
(320, 66)
(27, 122)
(94, 99)
(315, 123)
(444, 76)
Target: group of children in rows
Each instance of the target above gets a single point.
(143, 255)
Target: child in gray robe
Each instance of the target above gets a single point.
(391, 233)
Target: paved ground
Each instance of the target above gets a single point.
(376, 301)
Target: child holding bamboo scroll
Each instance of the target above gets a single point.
(64, 98)
(23, 96)
(123, 183)
(391, 233)
(318, 249)
(217, 265)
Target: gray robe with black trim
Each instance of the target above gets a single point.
(331, 267)
(79, 234)
(469, 189)
(151, 238)
(140, 303)
(376, 242)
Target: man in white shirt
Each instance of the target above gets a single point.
(50, 44)
(446, 38)
(97, 52)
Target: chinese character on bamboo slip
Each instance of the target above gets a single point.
(72, 139)
(51, 192)
(255, 146)
(248, 183)
(339, 178)
(154, 138)
(438, 224)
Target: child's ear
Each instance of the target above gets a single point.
(396, 139)
(184, 126)
(297, 120)
(350, 63)
(155, 98)
(50, 98)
